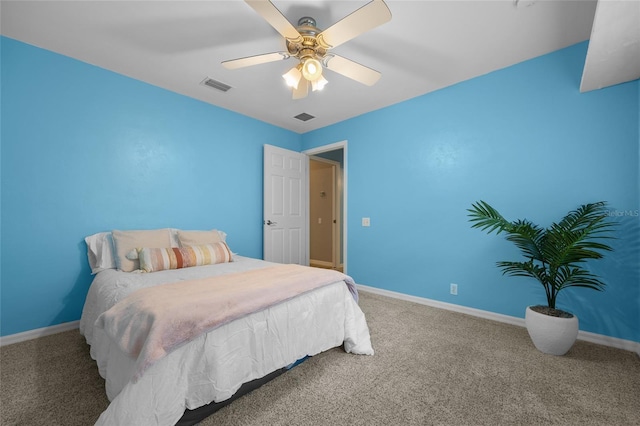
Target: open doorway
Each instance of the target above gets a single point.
(324, 212)
(327, 206)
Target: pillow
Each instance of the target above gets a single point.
(198, 238)
(100, 252)
(124, 241)
(174, 237)
(160, 259)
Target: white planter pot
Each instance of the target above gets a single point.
(551, 335)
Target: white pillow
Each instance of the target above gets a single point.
(100, 252)
(174, 237)
(124, 241)
(198, 238)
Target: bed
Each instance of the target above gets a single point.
(227, 357)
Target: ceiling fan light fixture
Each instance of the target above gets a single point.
(318, 84)
(312, 69)
(310, 45)
(292, 77)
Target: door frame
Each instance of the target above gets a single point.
(335, 210)
(345, 166)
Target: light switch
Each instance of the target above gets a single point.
(319, 221)
(366, 221)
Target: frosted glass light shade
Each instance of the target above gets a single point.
(292, 77)
(312, 69)
(318, 84)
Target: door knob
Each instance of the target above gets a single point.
(269, 222)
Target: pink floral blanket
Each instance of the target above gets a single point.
(151, 322)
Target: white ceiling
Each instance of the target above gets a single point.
(426, 46)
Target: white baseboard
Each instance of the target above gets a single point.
(600, 339)
(39, 332)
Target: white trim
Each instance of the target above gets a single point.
(324, 148)
(336, 210)
(614, 342)
(38, 332)
(601, 339)
(345, 196)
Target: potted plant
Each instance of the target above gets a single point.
(554, 256)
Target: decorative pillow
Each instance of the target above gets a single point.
(100, 252)
(198, 238)
(174, 237)
(160, 259)
(124, 241)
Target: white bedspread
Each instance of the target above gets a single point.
(213, 366)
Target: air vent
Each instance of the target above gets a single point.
(218, 85)
(304, 116)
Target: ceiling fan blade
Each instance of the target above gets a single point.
(255, 60)
(369, 16)
(353, 70)
(276, 19)
(302, 91)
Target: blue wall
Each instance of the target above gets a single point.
(87, 150)
(80, 157)
(526, 141)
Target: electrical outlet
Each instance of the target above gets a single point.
(366, 221)
(453, 289)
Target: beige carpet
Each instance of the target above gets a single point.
(431, 367)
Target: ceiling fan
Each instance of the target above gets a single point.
(311, 46)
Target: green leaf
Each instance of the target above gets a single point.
(553, 255)
(487, 218)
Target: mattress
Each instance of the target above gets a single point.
(213, 366)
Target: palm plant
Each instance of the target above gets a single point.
(553, 255)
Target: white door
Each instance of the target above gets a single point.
(285, 234)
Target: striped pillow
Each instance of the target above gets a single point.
(160, 259)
